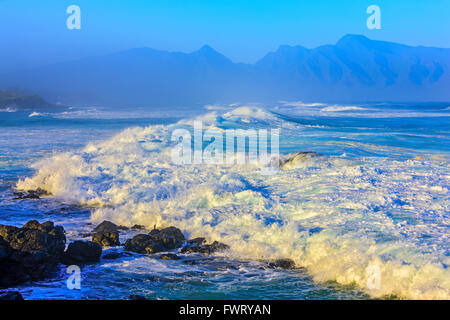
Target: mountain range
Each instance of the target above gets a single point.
(354, 69)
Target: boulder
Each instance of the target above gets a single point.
(169, 256)
(80, 252)
(4, 249)
(282, 264)
(143, 243)
(106, 239)
(170, 238)
(31, 252)
(137, 227)
(106, 226)
(156, 241)
(11, 295)
(31, 194)
(115, 255)
(196, 241)
(198, 245)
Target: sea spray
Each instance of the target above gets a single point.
(337, 217)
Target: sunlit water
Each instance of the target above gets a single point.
(378, 199)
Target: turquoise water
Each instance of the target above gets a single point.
(377, 198)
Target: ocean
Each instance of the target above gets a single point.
(369, 217)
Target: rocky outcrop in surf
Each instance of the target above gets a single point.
(10, 295)
(293, 159)
(282, 264)
(156, 241)
(31, 194)
(106, 239)
(106, 226)
(107, 234)
(81, 252)
(199, 245)
(31, 252)
(159, 240)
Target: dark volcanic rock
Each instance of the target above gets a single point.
(170, 238)
(31, 194)
(4, 249)
(144, 243)
(11, 295)
(106, 226)
(79, 252)
(282, 264)
(29, 253)
(196, 241)
(106, 239)
(169, 256)
(137, 227)
(198, 246)
(156, 241)
(115, 255)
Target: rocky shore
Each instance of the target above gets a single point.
(34, 251)
(31, 252)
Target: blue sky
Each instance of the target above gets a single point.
(34, 32)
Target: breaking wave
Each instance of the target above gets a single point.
(341, 108)
(337, 217)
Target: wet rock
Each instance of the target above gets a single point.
(169, 256)
(196, 241)
(106, 226)
(297, 157)
(124, 228)
(139, 243)
(4, 249)
(137, 227)
(219, 246)
(106, 239)
(29, 253)
(115, 255)
(282, 264)
(170, 238)
(31, 194)
(156, 241)
(200, 247)
(11, 295)
(80, 252)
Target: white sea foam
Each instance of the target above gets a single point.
(34, 114)
(337, 108)
(8, 109)
(333, 216)
(302, 104)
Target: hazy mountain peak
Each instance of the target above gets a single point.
(207, 53)
(207, 49)
(353, 39)
(355, 68)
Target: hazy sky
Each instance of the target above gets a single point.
(34, 32)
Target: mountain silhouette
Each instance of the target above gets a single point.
(354, 69)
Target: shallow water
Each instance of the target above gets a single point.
(378, 199)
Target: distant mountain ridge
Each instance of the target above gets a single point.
(354, 69)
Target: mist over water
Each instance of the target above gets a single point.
(376, 197)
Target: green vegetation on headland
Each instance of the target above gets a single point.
(10, 99)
